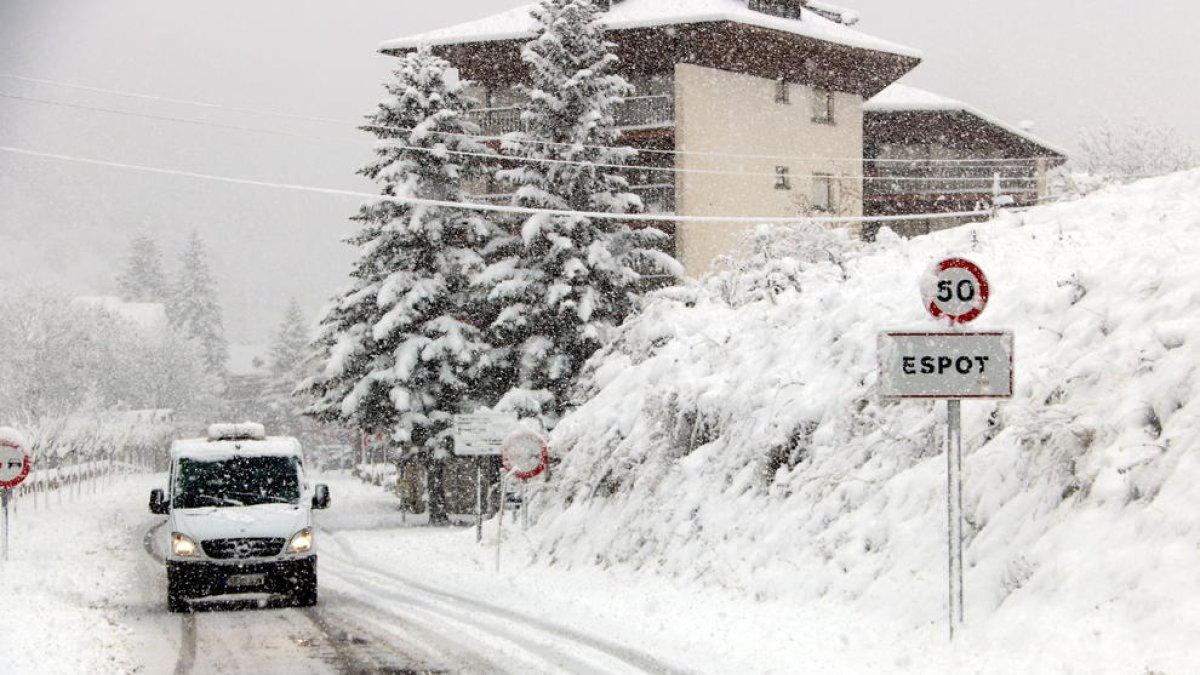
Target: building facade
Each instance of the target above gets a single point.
(926, 153)
(744, 108)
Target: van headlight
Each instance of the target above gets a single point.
(184, 546)
(302, 541)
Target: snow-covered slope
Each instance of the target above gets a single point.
(735, 436)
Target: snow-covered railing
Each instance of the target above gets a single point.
(646, 111)
(657, 197)
(50, 482)
(929, 177)
(493, 121)
(635, 112)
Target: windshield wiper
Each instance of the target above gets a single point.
(261, 498)
(215, 500)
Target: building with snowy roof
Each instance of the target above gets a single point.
(744, 108)
(148, 316)
(926, 153)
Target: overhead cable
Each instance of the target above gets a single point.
(510, 158)
(472, 206)
(494, 138)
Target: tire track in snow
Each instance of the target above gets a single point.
(362, 653)
(187, 646)
(568, 649)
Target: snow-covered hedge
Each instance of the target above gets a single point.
(734, 433)
(83, 380)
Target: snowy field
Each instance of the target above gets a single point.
(734, 497)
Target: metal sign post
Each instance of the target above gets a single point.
(500, 522)
(5, 496)
(954, 531)
(14, 467)
(952, 366)
(525, 454)
(479, 435)
(478, 499)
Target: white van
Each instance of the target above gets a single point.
(239, 511)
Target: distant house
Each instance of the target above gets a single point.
(925, 153)
(743, 107)
(148, 316)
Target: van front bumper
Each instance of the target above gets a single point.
(203, 578)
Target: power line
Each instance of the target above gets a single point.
(677, 170)
(470, 206)
(510, 158)
(165, 99)
(162, 118)
(493, 138)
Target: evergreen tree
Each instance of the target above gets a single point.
(142, 279)
(401, 350)
(285, 370)
(194, 309)
(569, 279)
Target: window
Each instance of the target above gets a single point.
(822, 192)
(782, 94)
(783, 181)
(822, 106)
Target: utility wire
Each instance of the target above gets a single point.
(163, 118)
(471, 206)
(493, 138)
(391, 144)
(165, 99)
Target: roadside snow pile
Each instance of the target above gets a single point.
(734, 434)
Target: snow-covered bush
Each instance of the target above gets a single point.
(770, 259)
(69, 370)
(744, 443)
(1114, 155)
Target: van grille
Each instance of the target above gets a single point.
(242, 548)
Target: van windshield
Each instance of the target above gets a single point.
(237, 481)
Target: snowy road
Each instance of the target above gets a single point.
(371, 620)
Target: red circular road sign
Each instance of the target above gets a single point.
(955, 289)
(524, 454)
(14, 463)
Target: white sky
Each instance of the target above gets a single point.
(1065, 64)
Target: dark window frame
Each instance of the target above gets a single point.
(783, 92)
(824, 111)
(783, 178)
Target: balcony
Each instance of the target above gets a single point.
(637, 112)
(656, 198)
(921, 180)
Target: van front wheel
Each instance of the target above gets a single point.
(176, 602)
(306, 585)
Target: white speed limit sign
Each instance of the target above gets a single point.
(525, 454)
(955, 289)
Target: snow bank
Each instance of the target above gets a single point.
(734, 437)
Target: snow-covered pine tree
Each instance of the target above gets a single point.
(194, 309)
(142, 278)
(285, 370)
(401, 351)
(569, 279)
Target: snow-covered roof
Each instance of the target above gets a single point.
(517, 24)
(213, 451)
(904, 98)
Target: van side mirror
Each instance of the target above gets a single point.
(158, 502)
(320, 498)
